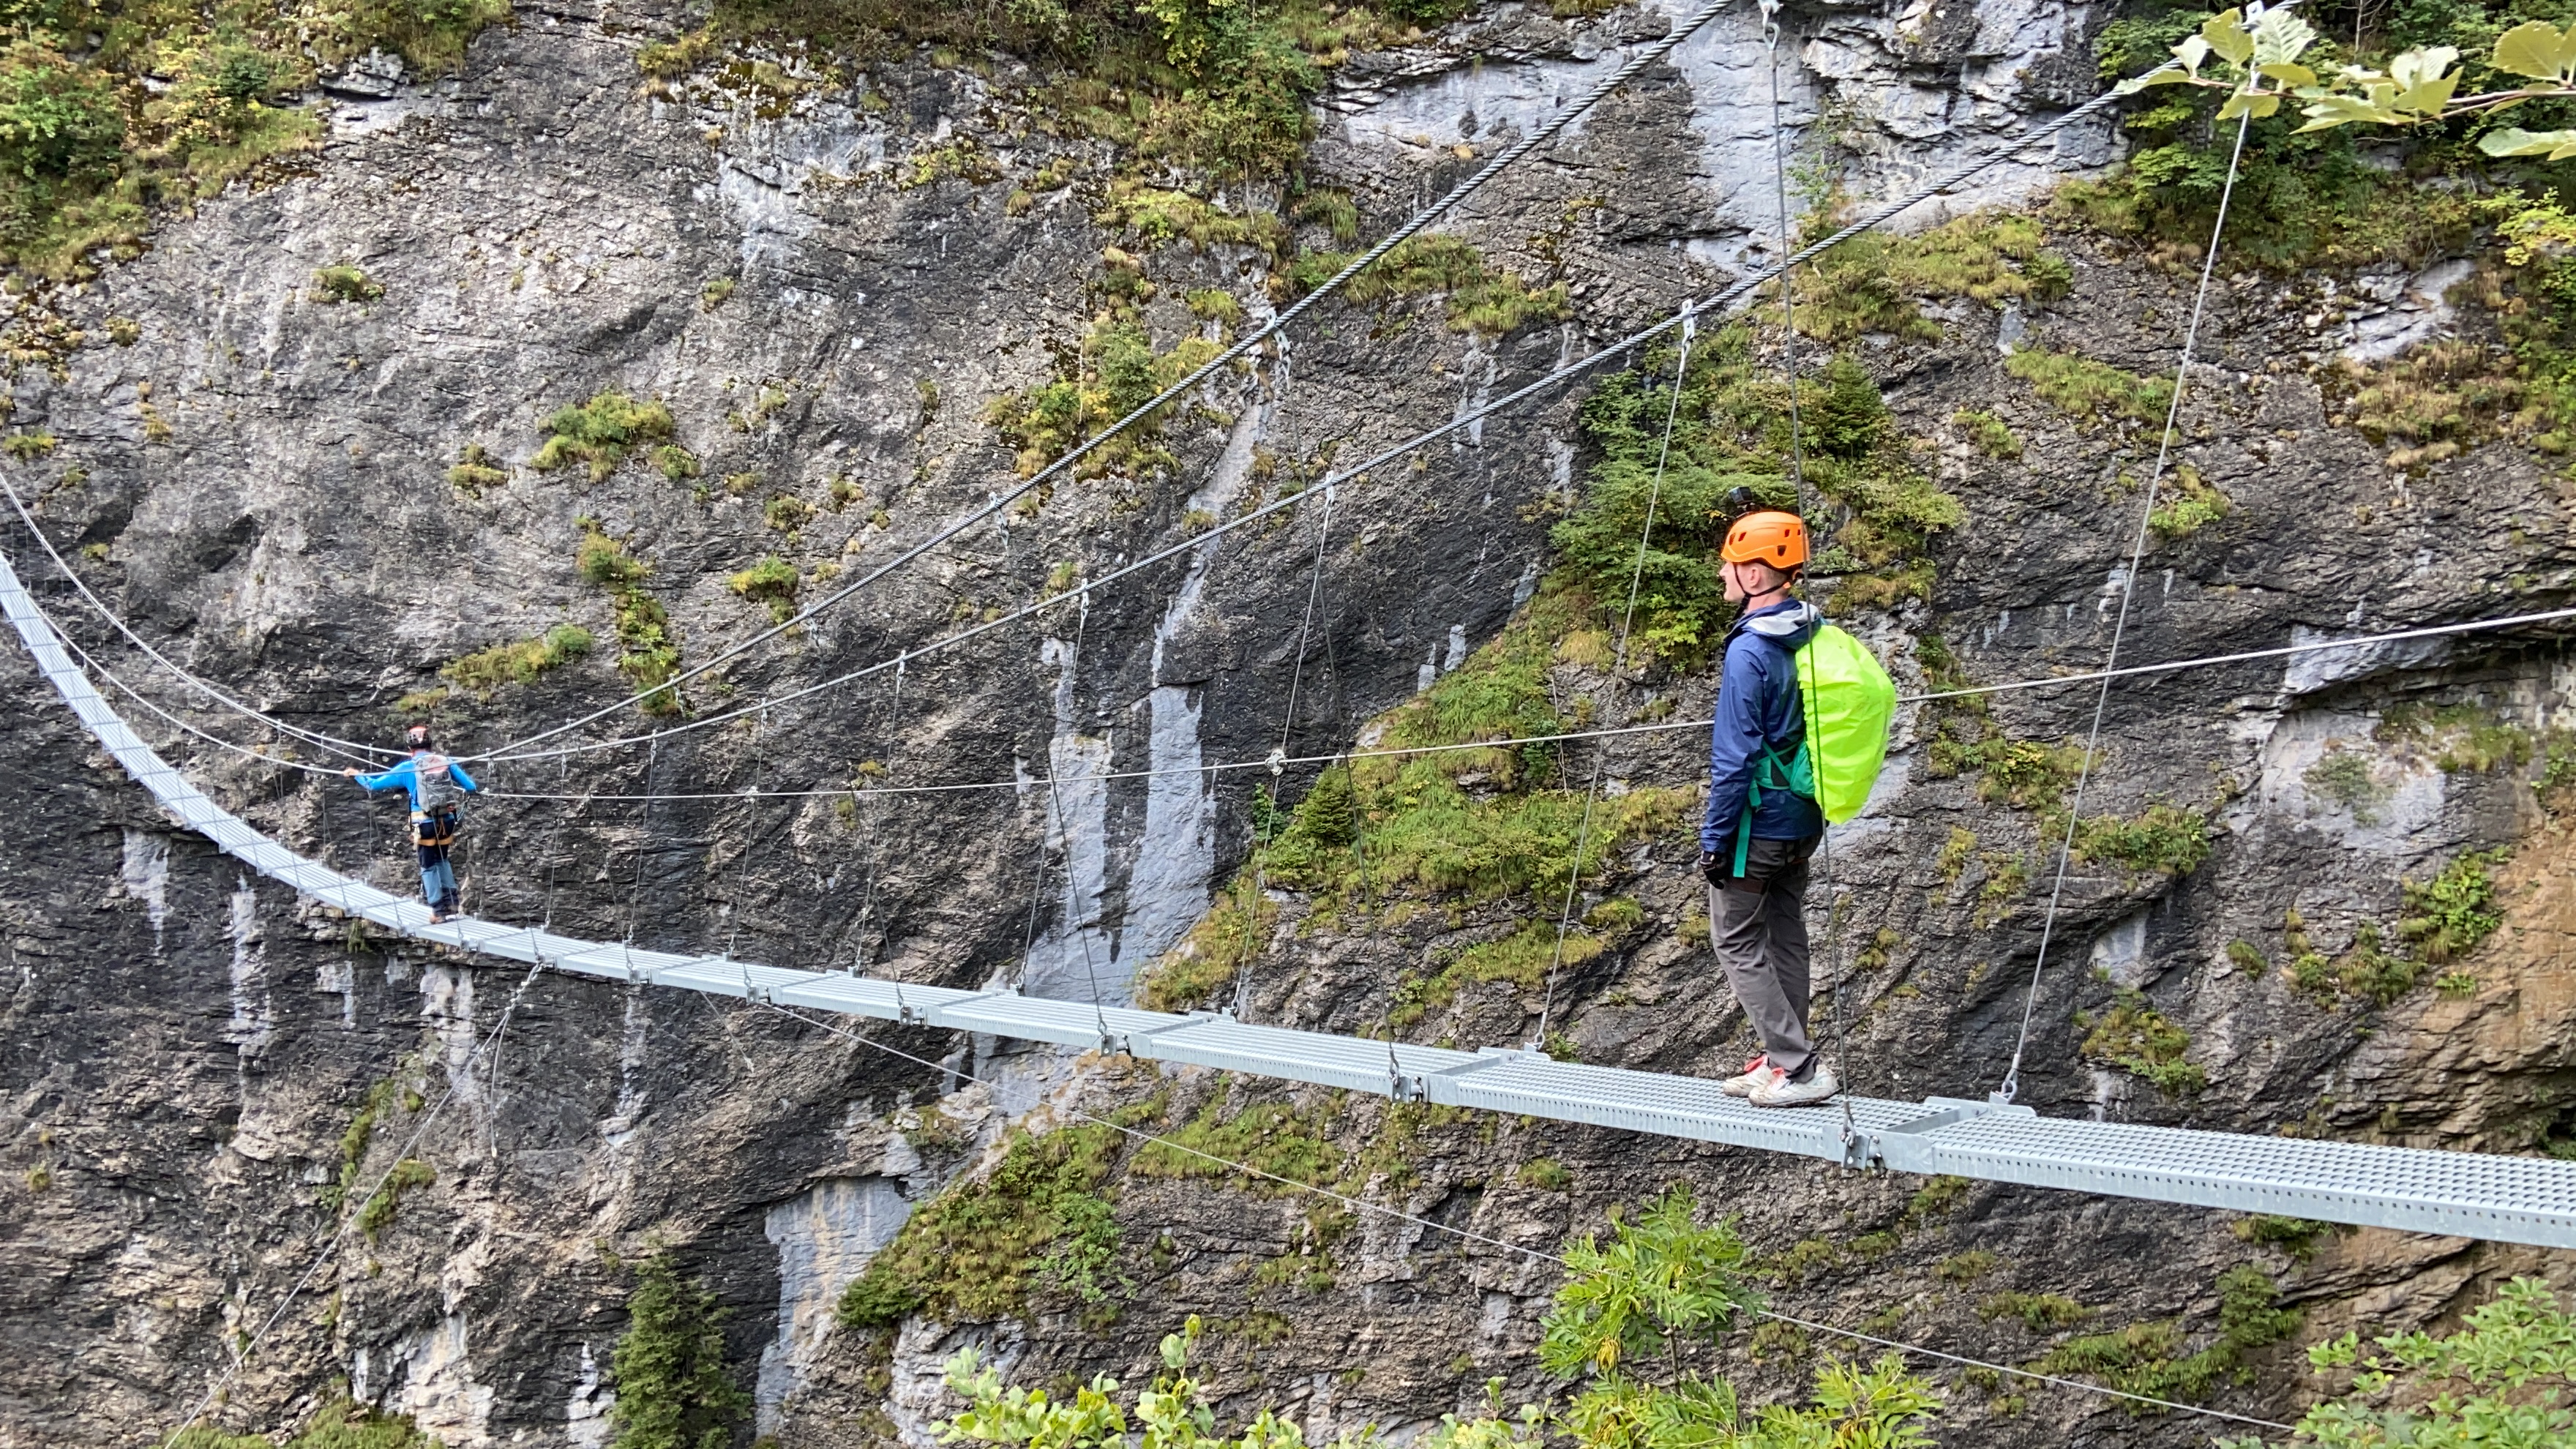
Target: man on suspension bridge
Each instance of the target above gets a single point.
(437, 786)
(1801, 728)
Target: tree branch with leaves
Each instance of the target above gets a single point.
(2255, 56)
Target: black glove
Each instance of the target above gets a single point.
(1712, 867)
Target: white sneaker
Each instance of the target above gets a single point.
(1780, 1091)
(1743, 1083)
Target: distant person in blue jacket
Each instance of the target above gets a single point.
(1759, 831)
(437, 786)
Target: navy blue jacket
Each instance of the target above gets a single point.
(1758, 704)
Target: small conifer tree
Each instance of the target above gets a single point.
(673, 1389)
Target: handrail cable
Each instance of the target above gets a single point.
(2011, 1084)
(349, 749)
(1742, 289)
(1683, 30)
(242, 1353)
(1934, 696)
(1471, 1235)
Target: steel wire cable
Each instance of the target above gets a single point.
(2090, 676)
(1744, 288)
(1546, 132)
(1278, 761)
(347, 749)
(1798, 478)
(340, 1231)
(2011, 1084)
(1356, 1204)
(1618, 666)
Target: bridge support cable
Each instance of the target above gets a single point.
(1546, 132)
(355, 750)
(2011, 1084)
(1618, 671)
(2511, 1199)
(1720, 305)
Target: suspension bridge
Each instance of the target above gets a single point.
(2476, 1195)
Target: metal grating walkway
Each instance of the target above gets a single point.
(2510, 1199)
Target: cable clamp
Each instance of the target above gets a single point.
(1278, 761)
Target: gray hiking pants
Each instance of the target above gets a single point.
(1757, 925)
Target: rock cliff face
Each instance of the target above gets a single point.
(828, 285)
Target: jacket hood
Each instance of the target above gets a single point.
(1787, 624)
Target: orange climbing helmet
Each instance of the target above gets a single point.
(1771, 537)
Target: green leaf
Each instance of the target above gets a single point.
(2257, 104)
(2417, 68)
(2288, 73)
(2329, 111)
(2427, 98)
(2536, 49)
(2169, 74)
(2226, 34)
(2191, 52)
(2515, 141)
(2281, 36)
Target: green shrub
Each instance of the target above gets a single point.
(773, 582)
(1479, 298)
(519, 662)
(2187, 503)
(676, 463)
(1874, 282)
(2038, 1312)
(2167, 839)
(1987, 433)
(59, 120)
(2346, 778)
(2447, 916)
(2139, 1040)
(2296, 1237)
(2498, 1381)
(2248, 957)
(1546, 1174)
(345, 283)
(2090, 391)
(600, 433)
(1966, 1267)
(1040, 1221)
(649, 657)
(674, 1390)
(476, 471)
(377, 1213)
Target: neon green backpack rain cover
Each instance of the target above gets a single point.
(1848, 700)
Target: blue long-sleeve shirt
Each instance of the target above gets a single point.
(1758, 704)
(406, 777)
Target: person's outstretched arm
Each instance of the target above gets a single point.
(463, 780)
(399, 777)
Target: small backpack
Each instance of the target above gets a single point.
(1846, 701)
(437, 789)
